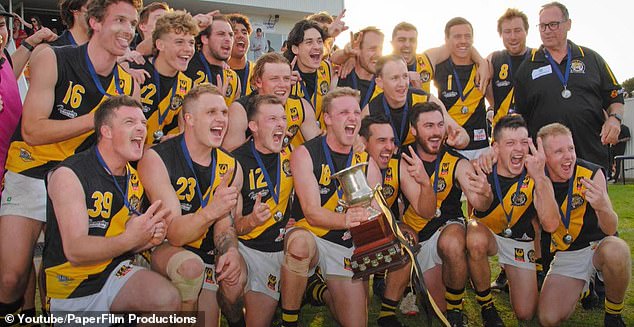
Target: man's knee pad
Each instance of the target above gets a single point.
(188, 288)
(298, 265)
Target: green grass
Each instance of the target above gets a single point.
(622, 198)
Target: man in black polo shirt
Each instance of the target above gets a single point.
(566, 83)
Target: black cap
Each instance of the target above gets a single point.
(4, 12)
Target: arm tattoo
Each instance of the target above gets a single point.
(225, 240)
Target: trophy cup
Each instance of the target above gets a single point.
(376, 246)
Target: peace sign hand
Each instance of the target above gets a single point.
(415, 167)
(536, 160)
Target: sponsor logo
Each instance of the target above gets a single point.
(502, 83)
(66, 112)
(103, 224)
(519, 255)
(25, 155)
(123, 271)
(209, 276)
(186, 207)
(272, 282)
(449, 94)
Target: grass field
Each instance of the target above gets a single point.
(622, 198)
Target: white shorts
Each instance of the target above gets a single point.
(102, 300)
(427, 256)
(264, 270)
(576, 264)
(515, 253)
(473, 154)
(334, 259)
(210, 283)
(23, 196)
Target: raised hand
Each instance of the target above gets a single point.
(261, 211)
(535, 161)
(295, 77)
(596, 193)
(486, 160)
(148, 226)
(478, 183)
(222, 85)
(457, 137)
(224, 200)
(415, 167)
(337, 25)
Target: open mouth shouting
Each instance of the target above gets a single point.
(350, 130)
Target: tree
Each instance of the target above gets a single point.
(628, 85)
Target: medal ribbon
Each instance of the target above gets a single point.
(190, 164)
(387, 109)
(157, 82)
(562, 77)
(71, 39)
(95, 78)
(331, 164)
(498, 193)
(565, 219)
(274, 189)
(114, 180)
(208, 70)
(245, 79)
(371, 88)
(461, 93)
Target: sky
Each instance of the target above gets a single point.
(606, 27)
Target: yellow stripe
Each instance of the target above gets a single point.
(614, 82)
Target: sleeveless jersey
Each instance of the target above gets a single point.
(584, 225)
(397, 116)
(391, 183)
(161, 107)
(327, 189)
(75, 95)
(447, 198)
(268, 237)
(522, 206)
(107, 216)
(504, 68)
(245, 74)
(425, 69)
(201, 71)
(316, 88)
(185, 184)
(364, 87)
(470, 113)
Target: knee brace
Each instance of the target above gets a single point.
(187, 287)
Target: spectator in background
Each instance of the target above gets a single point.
(618, 150)
(18, 32)
(34, 26)
(284, 46)
(258, 44)
(269, 47)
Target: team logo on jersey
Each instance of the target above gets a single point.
(135, 202)
(177, 101)
(531, 256)
(323, 87)
(444, 169)
(442, 185)
(272, 282)
(346, 264)
(525, 182)
(425, 76)
(577, 201)
(182, 84)
(519, 255)
(294, 114)
(222, 168)
(280, 236)
(209, 276)
(286, 167)
(577, 67)
(229, 91)
(293, 129)
(388, 174)
(518, 199)
(146, 109)
(25, 155)
(121, 84)
(388, 191)
(134, 181)
(123, 271)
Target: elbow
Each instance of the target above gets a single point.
(28, 135)
(75, 259)
(550, 226)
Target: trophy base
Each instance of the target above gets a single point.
(377, 256)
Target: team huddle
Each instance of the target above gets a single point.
(174, 175)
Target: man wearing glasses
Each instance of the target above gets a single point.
(567, 83)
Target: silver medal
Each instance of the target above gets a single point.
(507, 232)
(464, 110)
(285, 141)
(438, 213)
(157, 135)
(278, 216)
(339, 208)
(567, 238)
(566, 94)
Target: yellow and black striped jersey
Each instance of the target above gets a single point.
(327, 187)
(463, 100)
(391, 183)
(245, 74)
(268, 237)
(518, 204)
(425, 69)
(76, 94)
(503, 83)
(447, 196)
(584, 225)
(367, 88)
(195, 188)
(162, 99)
(201, 71)
(107, 216)
(313, 87)
(398, 116)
